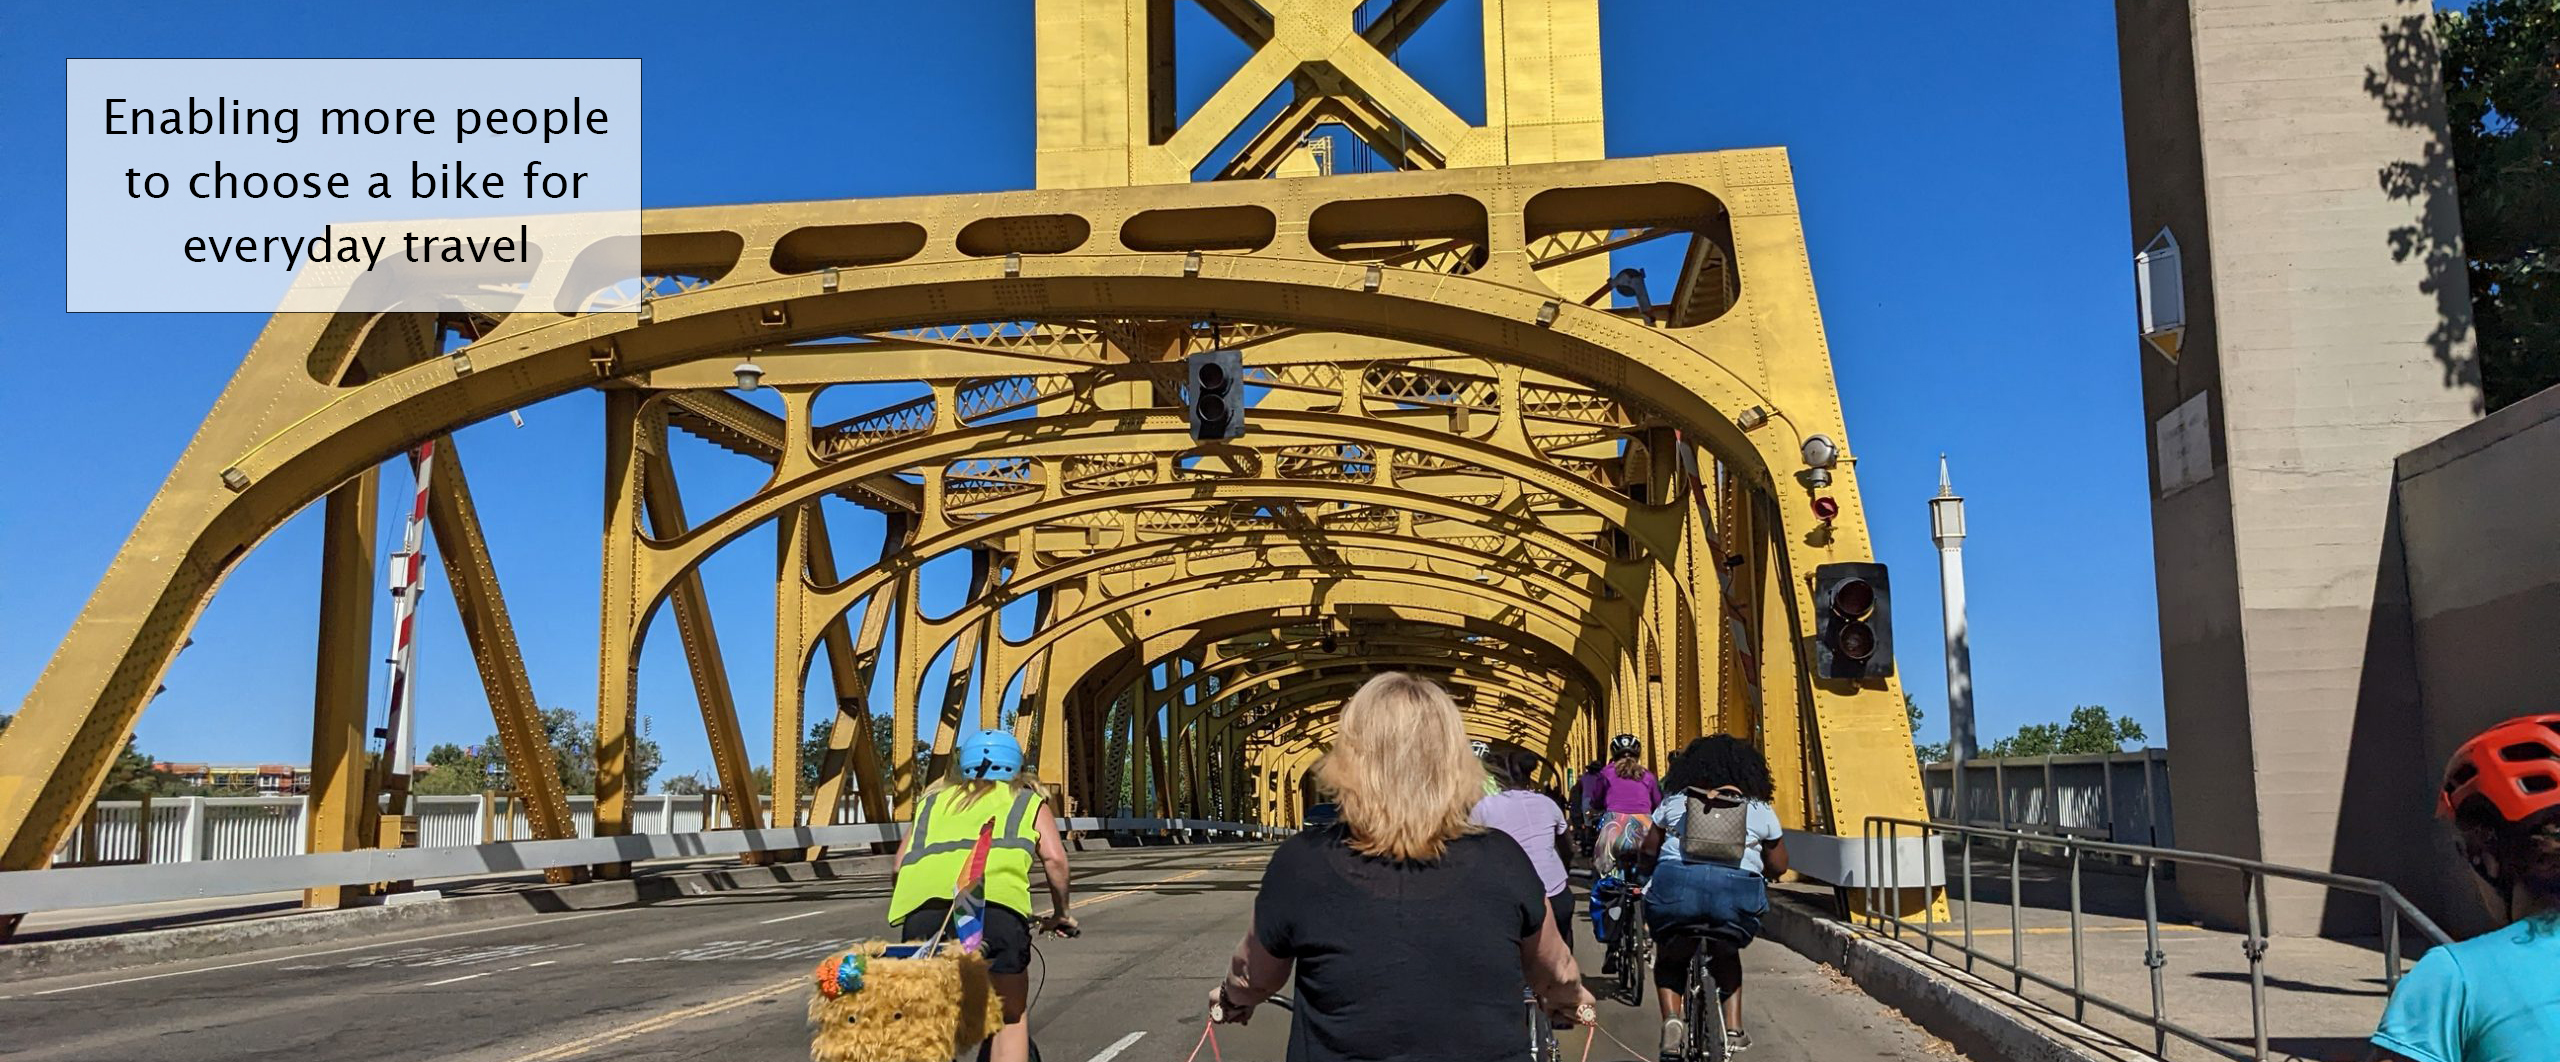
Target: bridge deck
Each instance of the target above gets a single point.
(720, 977)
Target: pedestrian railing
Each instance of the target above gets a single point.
(27, 891)
(1882, 909)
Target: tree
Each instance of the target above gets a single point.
(2091, 729)
(573, 754)
(1933, 752)
(453, 771)
(2501, 61)
(686, 784)
(134, 776)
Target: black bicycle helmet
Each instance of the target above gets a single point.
(1625, 745)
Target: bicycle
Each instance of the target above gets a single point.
(1702, 1004)
(1542, 1030)
(1630, 947)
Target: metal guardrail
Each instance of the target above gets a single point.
(27, 891)
(2254, 874)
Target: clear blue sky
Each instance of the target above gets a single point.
(1962, 185)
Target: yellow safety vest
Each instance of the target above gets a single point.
(946, 829)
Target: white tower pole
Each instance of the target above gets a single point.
(1946, 526)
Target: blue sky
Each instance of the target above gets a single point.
(1962, 186)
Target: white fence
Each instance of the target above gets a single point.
(2122, 798)
(191, 829)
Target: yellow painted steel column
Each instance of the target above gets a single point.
(473, 577)
(663, 503)
(618, 648)
(341, 792)
(792, 640)
(851, 665)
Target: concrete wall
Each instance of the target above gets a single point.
(2479, 531)
(2285, 146)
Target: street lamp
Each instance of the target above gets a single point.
(750, 375)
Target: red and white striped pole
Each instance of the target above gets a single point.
(408, 582)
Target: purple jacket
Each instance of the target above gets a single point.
(1603, 792)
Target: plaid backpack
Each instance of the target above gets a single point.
(1715, 828)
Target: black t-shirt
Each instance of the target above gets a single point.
(1414, 962)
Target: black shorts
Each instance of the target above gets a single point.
(1008, 933)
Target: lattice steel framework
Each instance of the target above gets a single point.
(1455, 465)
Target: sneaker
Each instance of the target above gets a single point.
(1737, 1040)
(1675, 1039)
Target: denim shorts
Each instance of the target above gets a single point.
(1688, 894)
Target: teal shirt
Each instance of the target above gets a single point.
(2493, 998)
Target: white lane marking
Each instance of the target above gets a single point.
(787, 918)
(338, 951)
(451, 980)
(1117, 1046)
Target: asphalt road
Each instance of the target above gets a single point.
(723, 978)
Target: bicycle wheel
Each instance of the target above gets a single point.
(1705, 1012)
(1630, 943)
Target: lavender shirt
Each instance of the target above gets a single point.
(1534, 821)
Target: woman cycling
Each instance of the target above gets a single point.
(1623, 794)
(1533, 819)
(988, 787)
(1702, 883)
(1411, 932)
(2496, 996)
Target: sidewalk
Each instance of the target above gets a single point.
(2323, 997)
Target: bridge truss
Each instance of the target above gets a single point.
(1583, 519)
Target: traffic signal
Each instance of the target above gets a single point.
(1853, 626)
(1216, 394)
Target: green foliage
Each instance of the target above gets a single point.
(133, 777)
(1931, 752)
(456, 770)
(686, 784)
(2090, 730)
(2501, 62)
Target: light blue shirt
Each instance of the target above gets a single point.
(1758, 819)
(2492, 998)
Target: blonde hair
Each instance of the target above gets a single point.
(973, 790)
(1401, 769)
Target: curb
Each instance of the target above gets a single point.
(1981, 1019)
(114, 951)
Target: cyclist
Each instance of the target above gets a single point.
(1699, 883)
(988, 785)
(1533, 819)
(1623, 794)
(2496, 996)
(1411, 932)
(1620, 795)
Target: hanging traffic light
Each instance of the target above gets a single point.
(1216, 394)
(1853, 632)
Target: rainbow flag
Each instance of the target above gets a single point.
(969, 895)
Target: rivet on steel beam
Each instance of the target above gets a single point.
(775, 317)
(461, 364)
(1013, 264)
(1191, 264)
(235, 479)
(1547, 313)
(1377, 275)
(827, 280)
(1751, 418)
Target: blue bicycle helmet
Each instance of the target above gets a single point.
(990, 754)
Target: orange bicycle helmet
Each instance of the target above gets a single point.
(2515, 765)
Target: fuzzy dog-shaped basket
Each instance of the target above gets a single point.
(880, 1002)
